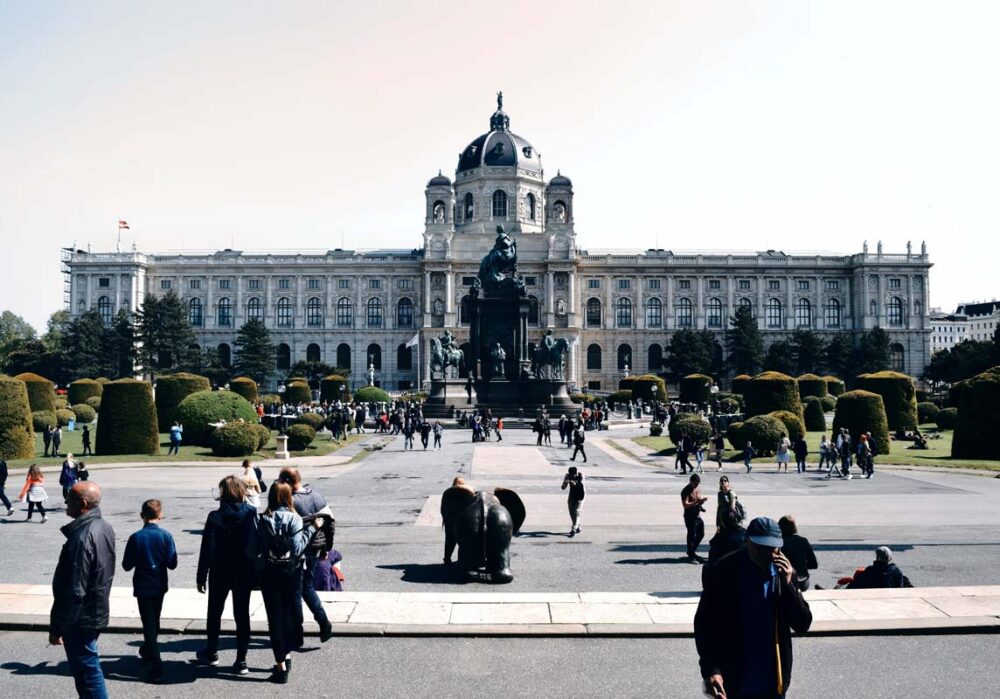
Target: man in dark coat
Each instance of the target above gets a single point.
(882, 573)
(748, 609)
(81, 588)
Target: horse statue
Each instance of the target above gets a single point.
(547, 361)
(444, 355)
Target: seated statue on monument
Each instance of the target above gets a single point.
(445, 354)
(498, 270)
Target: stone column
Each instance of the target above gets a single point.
(449, 290)
(789, 310)
(118, 294)
(572, 305)
(640, 320)
(668, 319)
(210, 314)
(730, 308)
(609, 311)
(550, 292)
(239, 313)
(427, 298)
(269, 284)
(699, 306)
(90, 280)
(761, 320)
(819, 317)
(298, 319)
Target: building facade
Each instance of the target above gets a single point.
(618, 309)
(947, 330)
(982, 318)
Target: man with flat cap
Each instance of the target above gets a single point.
(748, 610)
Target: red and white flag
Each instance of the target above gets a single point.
(122, 224)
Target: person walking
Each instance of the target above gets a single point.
(719, 447)
(693, 504)
(86, 442)
(748, 453)
(81, 588)
(56, 440)
(684, 448)
(727, 502)
(408, 434)
(67, 476)
(438, 431)
(278, 550)
(577, 492)
(499, 430)
(783, 449)
(47, 439)
(223, 566)
(801, 450)
(578, 439)
(824, 453)
(150, 552)
(3, 486)
(539, 429)
(730, 537)
(425, 433)
(547, 431)
(845, 453)
(82, 472)
(798, 550)
(33, 491)
(251, 485)
(872, 453)
(176, 434)
(748, 608)
(864, 454)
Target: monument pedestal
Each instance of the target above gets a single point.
(448, 395)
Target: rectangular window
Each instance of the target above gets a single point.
(530, 281)
(654, 284)
(684, 284)
(803, 285)
(593, 283)
(895, 283)
(833, 285)
(744, 284)
(165, 284)
(194, 284)
(374, 283)
(314, 283)
(623, 284)
(714, 284)
(283, 284)
(343, 283)
(253, 284)
(223, 283)
(104, 283)
(596, 386)
(773, 284)
(406, 284)
(468, 281)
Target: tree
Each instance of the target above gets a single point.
(838, 355)
(780, 357)
(314, 371)
(743, 343)
(14, 331)
(212, 368)
(689, 353)
(34, 357)
(163, 329)
(84, 346)
(808, 349)
(966, 359)
(254, 351)
(119, 347)
(872, 352)
(55, 331)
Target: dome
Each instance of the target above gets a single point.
(439, 180)
(499, 147)
(560, 180)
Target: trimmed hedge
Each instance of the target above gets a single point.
(814, 415)
(694, 425)
(947, 418)
(641, 386)
(94, 402)
(40, 419)
(621, 396)
(314, 420)
(330, 388)
(762, 431)
(739, 383)
(696, 388)
(978, 419)
(17, 440)
(63, 416)
(771, 391)
(41, 391)
(235, 439)
(296, 393)
(102, 380)
(171, 389)
(580, 398)
(127, 423)
(729, 406)
(957, 389)
(61, 404)
(829, 403)
(82, 389)
(84, 413)
(271, 401)
(863, 411)
(927, 412)
(199, 409)
(834, 385)
(898, 395)
(793, 422)
(655, 429)
(263, 435)
(371, 394)
(812, 385)
(733, 435)
(244, 386)
(300, 437)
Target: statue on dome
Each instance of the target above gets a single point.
(498, 270)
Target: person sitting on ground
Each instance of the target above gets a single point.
(882, 573)
(328, 577)
(798, 550)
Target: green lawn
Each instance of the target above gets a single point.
(938, 454)
(72, 443)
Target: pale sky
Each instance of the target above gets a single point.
(712, 125)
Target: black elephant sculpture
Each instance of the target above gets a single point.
(481, 524)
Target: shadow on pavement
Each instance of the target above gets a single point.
(427, 573)
(652, 561)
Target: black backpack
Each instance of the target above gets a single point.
(278, 548)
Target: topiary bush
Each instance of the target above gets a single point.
(729, 406)
(815, 417)
(127, 423)
(235, 439)
(314, 420)
(812, 385)
(300, 437)
(581, 398)
(771, 391)
(697, 427)
(103, 380)
(198, 410)
(94, 402)
(271, 401)
(82, 389)
(641, 386)
(297, 393)
(733, 435)
(655, 429)
(61, 404)
(863, 411)
(898, 395)
(763, 432)
(947, 418)
(371, 394)
(244, 386)
(834, 385)
(927, 412)
(793, 422)
(978, 419)
(739, 383)
(263, 435)
(40, 419)
(84, 413)
(171, 389)
(41, 391)
(620, 396)
(17, 440)
(330, 388)
(696, 388)
(63, 416)
(829, 403)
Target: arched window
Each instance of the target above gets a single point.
(832, 314)
(532, 310)
(404, 313)
(284, 312)
(654, 358)
(374, 356)
(284, 356)
(593, 313)
(747, 303)
(594, 357)
(225, 356)
(897, 357)
(803, 313)
(895, 311)
(683, 313)
(465, 311)
(404, 358)
(224, 313)
(195, 312)
(469, 208)
(314, 312)
(344, 356)
(375, 312)
(624, 357)
(105, 309)
(530, 205)
(623, 313)
(654, 313)
(499, 204)
(772, 313)
(714, 313)
(254, 311)
(313, 353)
(345, 313)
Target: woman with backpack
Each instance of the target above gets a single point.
(278, 550)
(728, 502)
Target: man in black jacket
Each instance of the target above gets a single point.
(744, 621)
(81, 588)
(3, 484)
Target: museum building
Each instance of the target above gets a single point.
(618, 310)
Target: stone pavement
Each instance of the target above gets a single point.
(662, 614)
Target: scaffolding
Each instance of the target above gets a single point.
(65, 258)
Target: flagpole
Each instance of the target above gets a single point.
(118, 245)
